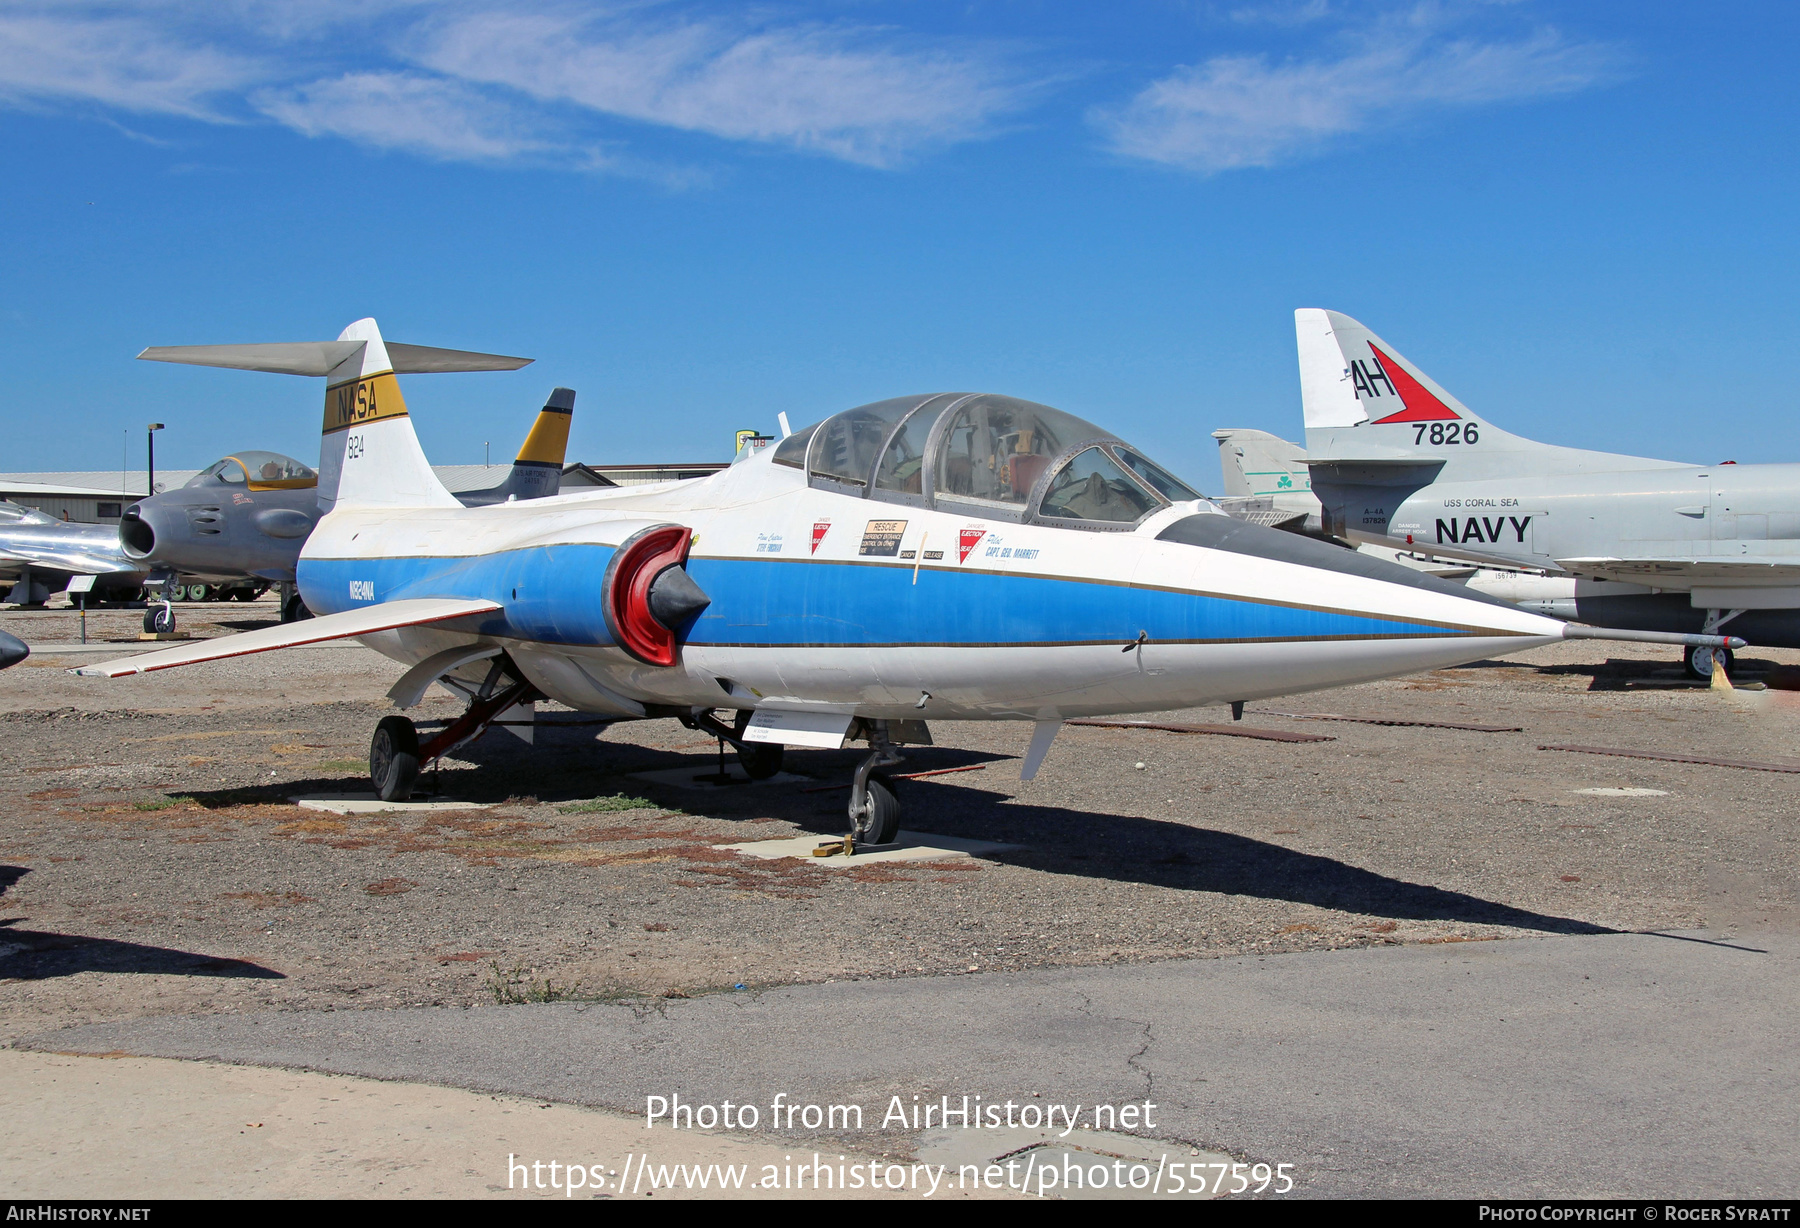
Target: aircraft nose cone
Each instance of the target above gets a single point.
(1351, 617)
(675, 598)
(12, 650)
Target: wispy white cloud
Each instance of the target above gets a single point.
(533, 80)
(116, 59)
(863, 95)
(1246, 110)
(399, 110)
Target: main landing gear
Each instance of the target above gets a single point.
(396, 756)
(1699, 662)
(760, 760)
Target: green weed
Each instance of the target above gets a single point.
(517, 985)
(595, 805)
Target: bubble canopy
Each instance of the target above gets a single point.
(990, 456)
(257, 470)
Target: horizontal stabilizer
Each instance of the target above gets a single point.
(365, 621)
(322, 357)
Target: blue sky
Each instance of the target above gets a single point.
(1577, 217)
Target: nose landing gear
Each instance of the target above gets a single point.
(874, 807)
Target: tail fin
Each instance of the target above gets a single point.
(538, 470)
(1366, 404)
(1258, 464)
(369, 455)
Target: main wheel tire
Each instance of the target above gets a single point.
(159, 619)
(394, 758)
(760, 760)
(294, 610)
(882, 824)
(1699, 662)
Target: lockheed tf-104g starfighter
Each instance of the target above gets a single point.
(955, 556)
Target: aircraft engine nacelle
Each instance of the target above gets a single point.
(648, 597)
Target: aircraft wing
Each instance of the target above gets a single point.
(1745, 572)
(383, 617)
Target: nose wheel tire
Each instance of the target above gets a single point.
(294, 609)
(394, 758)
(1699, 662)
(159, 619)
(760, 760)
(879, 821)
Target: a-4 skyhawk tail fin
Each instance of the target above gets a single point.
(1366, 405)
(369, 455)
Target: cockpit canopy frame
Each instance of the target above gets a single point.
(991, 457)
(255, 469)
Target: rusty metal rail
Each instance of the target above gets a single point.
(1751, 765)
(1383, 720)
(1226, 731)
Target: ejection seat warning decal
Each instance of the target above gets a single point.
(882, 537)
(820, 529)
(967, 540)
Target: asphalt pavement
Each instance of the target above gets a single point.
(1633, 1065)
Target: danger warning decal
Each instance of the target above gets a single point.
(820, 529)
(1382, 372)
(967, 540)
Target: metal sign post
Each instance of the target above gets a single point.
(82, 586)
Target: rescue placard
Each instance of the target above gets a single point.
(882, 538)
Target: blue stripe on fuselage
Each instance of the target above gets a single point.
(552, 594)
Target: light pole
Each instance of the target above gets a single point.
(150, 434)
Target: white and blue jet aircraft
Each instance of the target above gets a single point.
(955, 556)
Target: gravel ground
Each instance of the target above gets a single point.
(152, 862)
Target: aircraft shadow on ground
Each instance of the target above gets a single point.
(33, 955)
(1126, 848)
(1130, 848)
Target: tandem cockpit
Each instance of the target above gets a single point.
(984, 455)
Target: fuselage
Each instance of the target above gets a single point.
(1646, 548)
(831, 600)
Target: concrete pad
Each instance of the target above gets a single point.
(368, 803)
(123, 1127)
(690, 778)
(908, 846)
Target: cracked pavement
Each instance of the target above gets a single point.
(1610, 1065)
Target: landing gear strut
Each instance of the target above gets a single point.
(874, 808)
(1699, 661)
(159, 615)
(760, 760)
(396, 756)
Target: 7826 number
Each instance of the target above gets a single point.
(1445, 432)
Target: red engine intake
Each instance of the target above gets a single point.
(632, 608)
